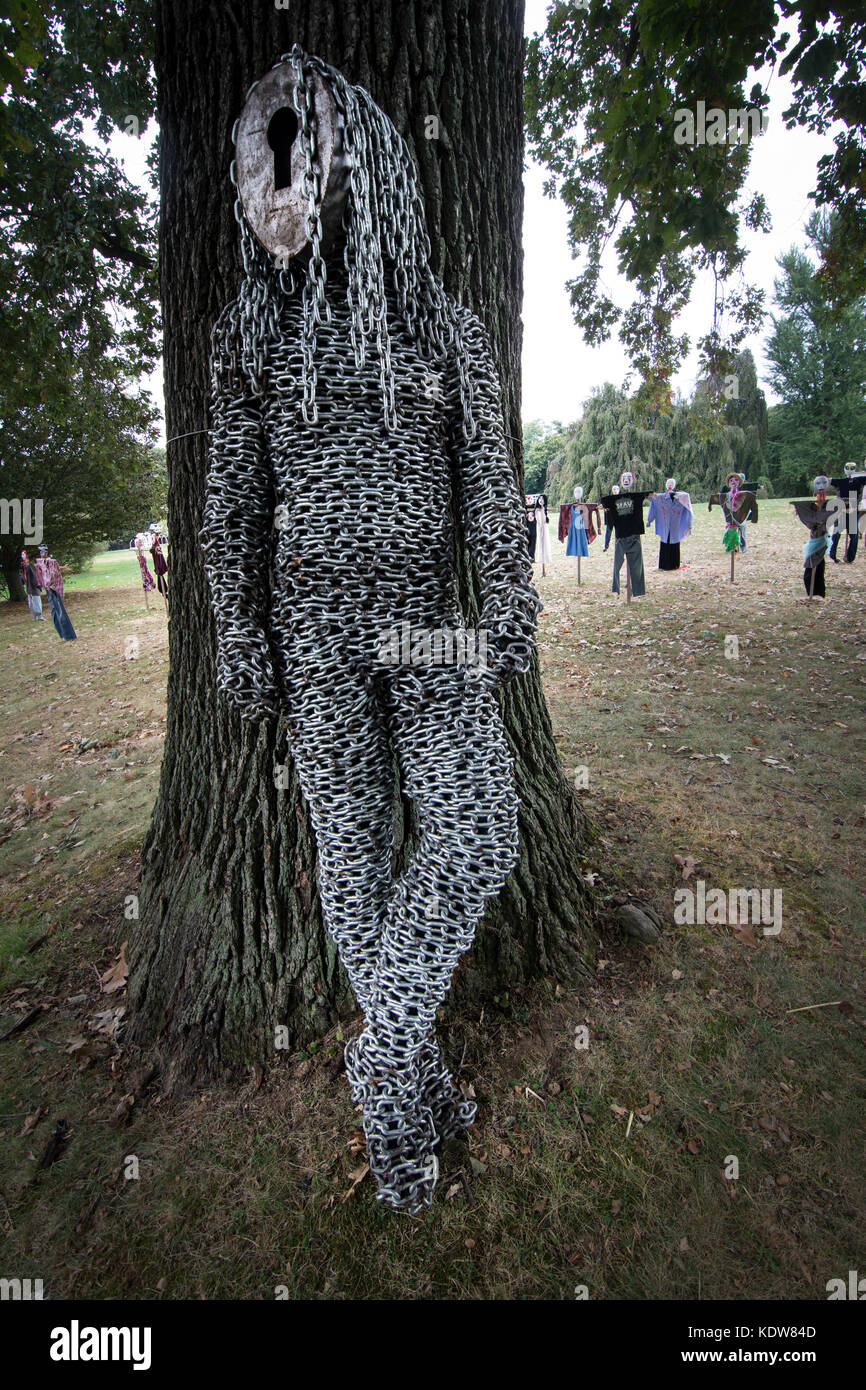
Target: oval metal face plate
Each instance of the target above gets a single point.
(278, 216)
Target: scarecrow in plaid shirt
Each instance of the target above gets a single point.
(51, 578)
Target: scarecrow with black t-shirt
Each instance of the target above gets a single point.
(849, 491)
(626, 511)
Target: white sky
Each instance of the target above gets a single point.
(559, 370)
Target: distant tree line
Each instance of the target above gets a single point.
(817, 365)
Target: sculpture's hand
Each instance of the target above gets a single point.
(510, 627)
(245, 677)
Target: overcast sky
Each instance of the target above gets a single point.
(559, 371)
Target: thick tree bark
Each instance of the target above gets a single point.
(12, 577)
(230, 942)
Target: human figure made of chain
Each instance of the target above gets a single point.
(356, 409)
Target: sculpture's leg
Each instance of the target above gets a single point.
(346, 770)
(457, 768)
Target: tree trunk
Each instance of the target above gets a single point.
(12, 579)
(230, 941)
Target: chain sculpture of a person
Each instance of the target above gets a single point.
(355, 410)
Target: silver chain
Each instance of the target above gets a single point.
(347, 422)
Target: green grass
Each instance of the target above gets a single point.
(603, 1167)
(109, 568)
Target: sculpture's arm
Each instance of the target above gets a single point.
(235, 537)
(494, 517)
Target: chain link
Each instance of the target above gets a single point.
(325, 422)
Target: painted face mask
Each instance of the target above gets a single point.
(734, 483)
(627, 480)
(290, 167)
(578, 494)
(671, 484)
(850, 470)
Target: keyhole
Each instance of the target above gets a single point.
(282, 130)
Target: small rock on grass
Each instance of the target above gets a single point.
(640, 921)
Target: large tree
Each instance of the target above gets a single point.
(680, 440)
(606, 83)
(230, 941)
(75, 442)
(818, 368)
(78, 316)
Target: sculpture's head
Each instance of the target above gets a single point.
(850, 470)
(671, 484)
(291, 169)
(318, 166)
(820, 487)
(627, 480)
(614, 492)
(578, 493)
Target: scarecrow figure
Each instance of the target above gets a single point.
(818, 515)
(354, 406)
(739, 505)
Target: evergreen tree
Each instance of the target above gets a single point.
(818, 367)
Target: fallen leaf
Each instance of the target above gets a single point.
(116, 975)
(688, 864)
(122, 1111)
(32, 1121)
(745, 932)
(357, 1177)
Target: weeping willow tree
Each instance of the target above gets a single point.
(683, 441)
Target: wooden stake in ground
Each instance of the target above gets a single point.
(627, 582)
(578, 571)
(733, 557)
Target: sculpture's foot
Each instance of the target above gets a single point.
(452, 1112)
(398, 1126)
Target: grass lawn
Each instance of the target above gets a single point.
(109, 568)
(708, 1141)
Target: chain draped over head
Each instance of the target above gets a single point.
(383, 218)
(311, 563)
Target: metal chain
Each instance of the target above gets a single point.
(346, 427)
